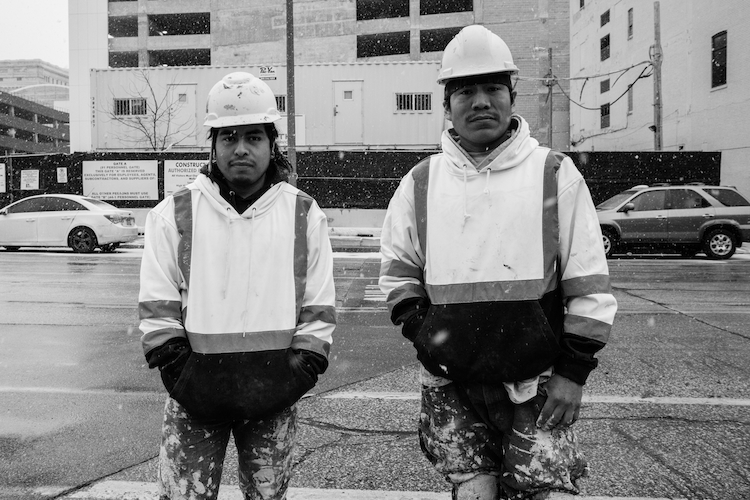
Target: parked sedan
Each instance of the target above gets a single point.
(67, 220)
(686, 218)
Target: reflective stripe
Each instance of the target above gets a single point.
(587, 328)
(158, 338)
(218, 343)
(406, 291)
(486, 291)
(421, 176)
(183, 217)
(160, 309)
(399, 269)
(586, 285)
(302, 209)
(311, 343)
(326, 314)
(550, 221)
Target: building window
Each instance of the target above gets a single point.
(604, 18)
(179, 57)
(123, 59)
(427, 7)
(719, 59)
(436, 40)
(630, 100)
(191, 23)
(604, 86)
(383, 44)
(123, 26)
(604, 47)
(281, 103)
(605, 115)
(381, 9)
(630, 24)
(414, 102)
(130, 107)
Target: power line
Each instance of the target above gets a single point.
(641, 75)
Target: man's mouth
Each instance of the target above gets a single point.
(478, 118)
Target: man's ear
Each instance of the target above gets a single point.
(447, 109)
(512, 97)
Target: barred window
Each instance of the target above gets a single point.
(281, 103)
(414, 102)
(130, 107)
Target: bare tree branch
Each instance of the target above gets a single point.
(159, 127)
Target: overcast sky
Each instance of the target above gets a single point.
(35, 29)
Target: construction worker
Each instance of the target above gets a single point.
(236, 303)
(493, 263)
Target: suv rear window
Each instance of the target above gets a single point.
(728, 197)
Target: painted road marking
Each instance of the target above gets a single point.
(121, 490)
(373, 293)
(593, 399)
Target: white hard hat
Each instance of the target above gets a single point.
(475, 50)
(240, 99)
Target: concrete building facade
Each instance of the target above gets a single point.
(36, 80)
(147, 33)
(29, 127)
(704, 70)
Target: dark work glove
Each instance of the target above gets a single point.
(413, 324)
(310, 363)
(170, 358)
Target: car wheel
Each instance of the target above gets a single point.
(719, 244)
(12, 249)
(609, 239)
(82, 240)
(110, 247)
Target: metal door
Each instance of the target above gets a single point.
(182, 117)
(347, 112)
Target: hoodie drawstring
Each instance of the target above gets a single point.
(487, 182)
(466, 196)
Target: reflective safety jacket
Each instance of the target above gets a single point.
(508, 256)
(244, 289)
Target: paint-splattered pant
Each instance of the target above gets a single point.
(192, 453)
(482, 442)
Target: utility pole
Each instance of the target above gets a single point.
(290, 118)
(550, 84)
(656, 58)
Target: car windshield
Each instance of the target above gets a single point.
(728, 197)
(101, 204)
(615, 200)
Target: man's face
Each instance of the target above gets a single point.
(480, 114)
(243, 154)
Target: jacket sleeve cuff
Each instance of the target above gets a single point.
(574, 368)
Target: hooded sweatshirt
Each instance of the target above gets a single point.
(246, 290)
(506, 253)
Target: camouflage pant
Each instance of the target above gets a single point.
(192, 453)
(472, 433)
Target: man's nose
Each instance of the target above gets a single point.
(242, 148)
(481, 99)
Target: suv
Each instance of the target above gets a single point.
(686, 218)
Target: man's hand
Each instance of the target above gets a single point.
(563, 403)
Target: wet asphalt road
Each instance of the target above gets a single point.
(667, 414)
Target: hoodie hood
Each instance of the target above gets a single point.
(507, 155)
(213, 194)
